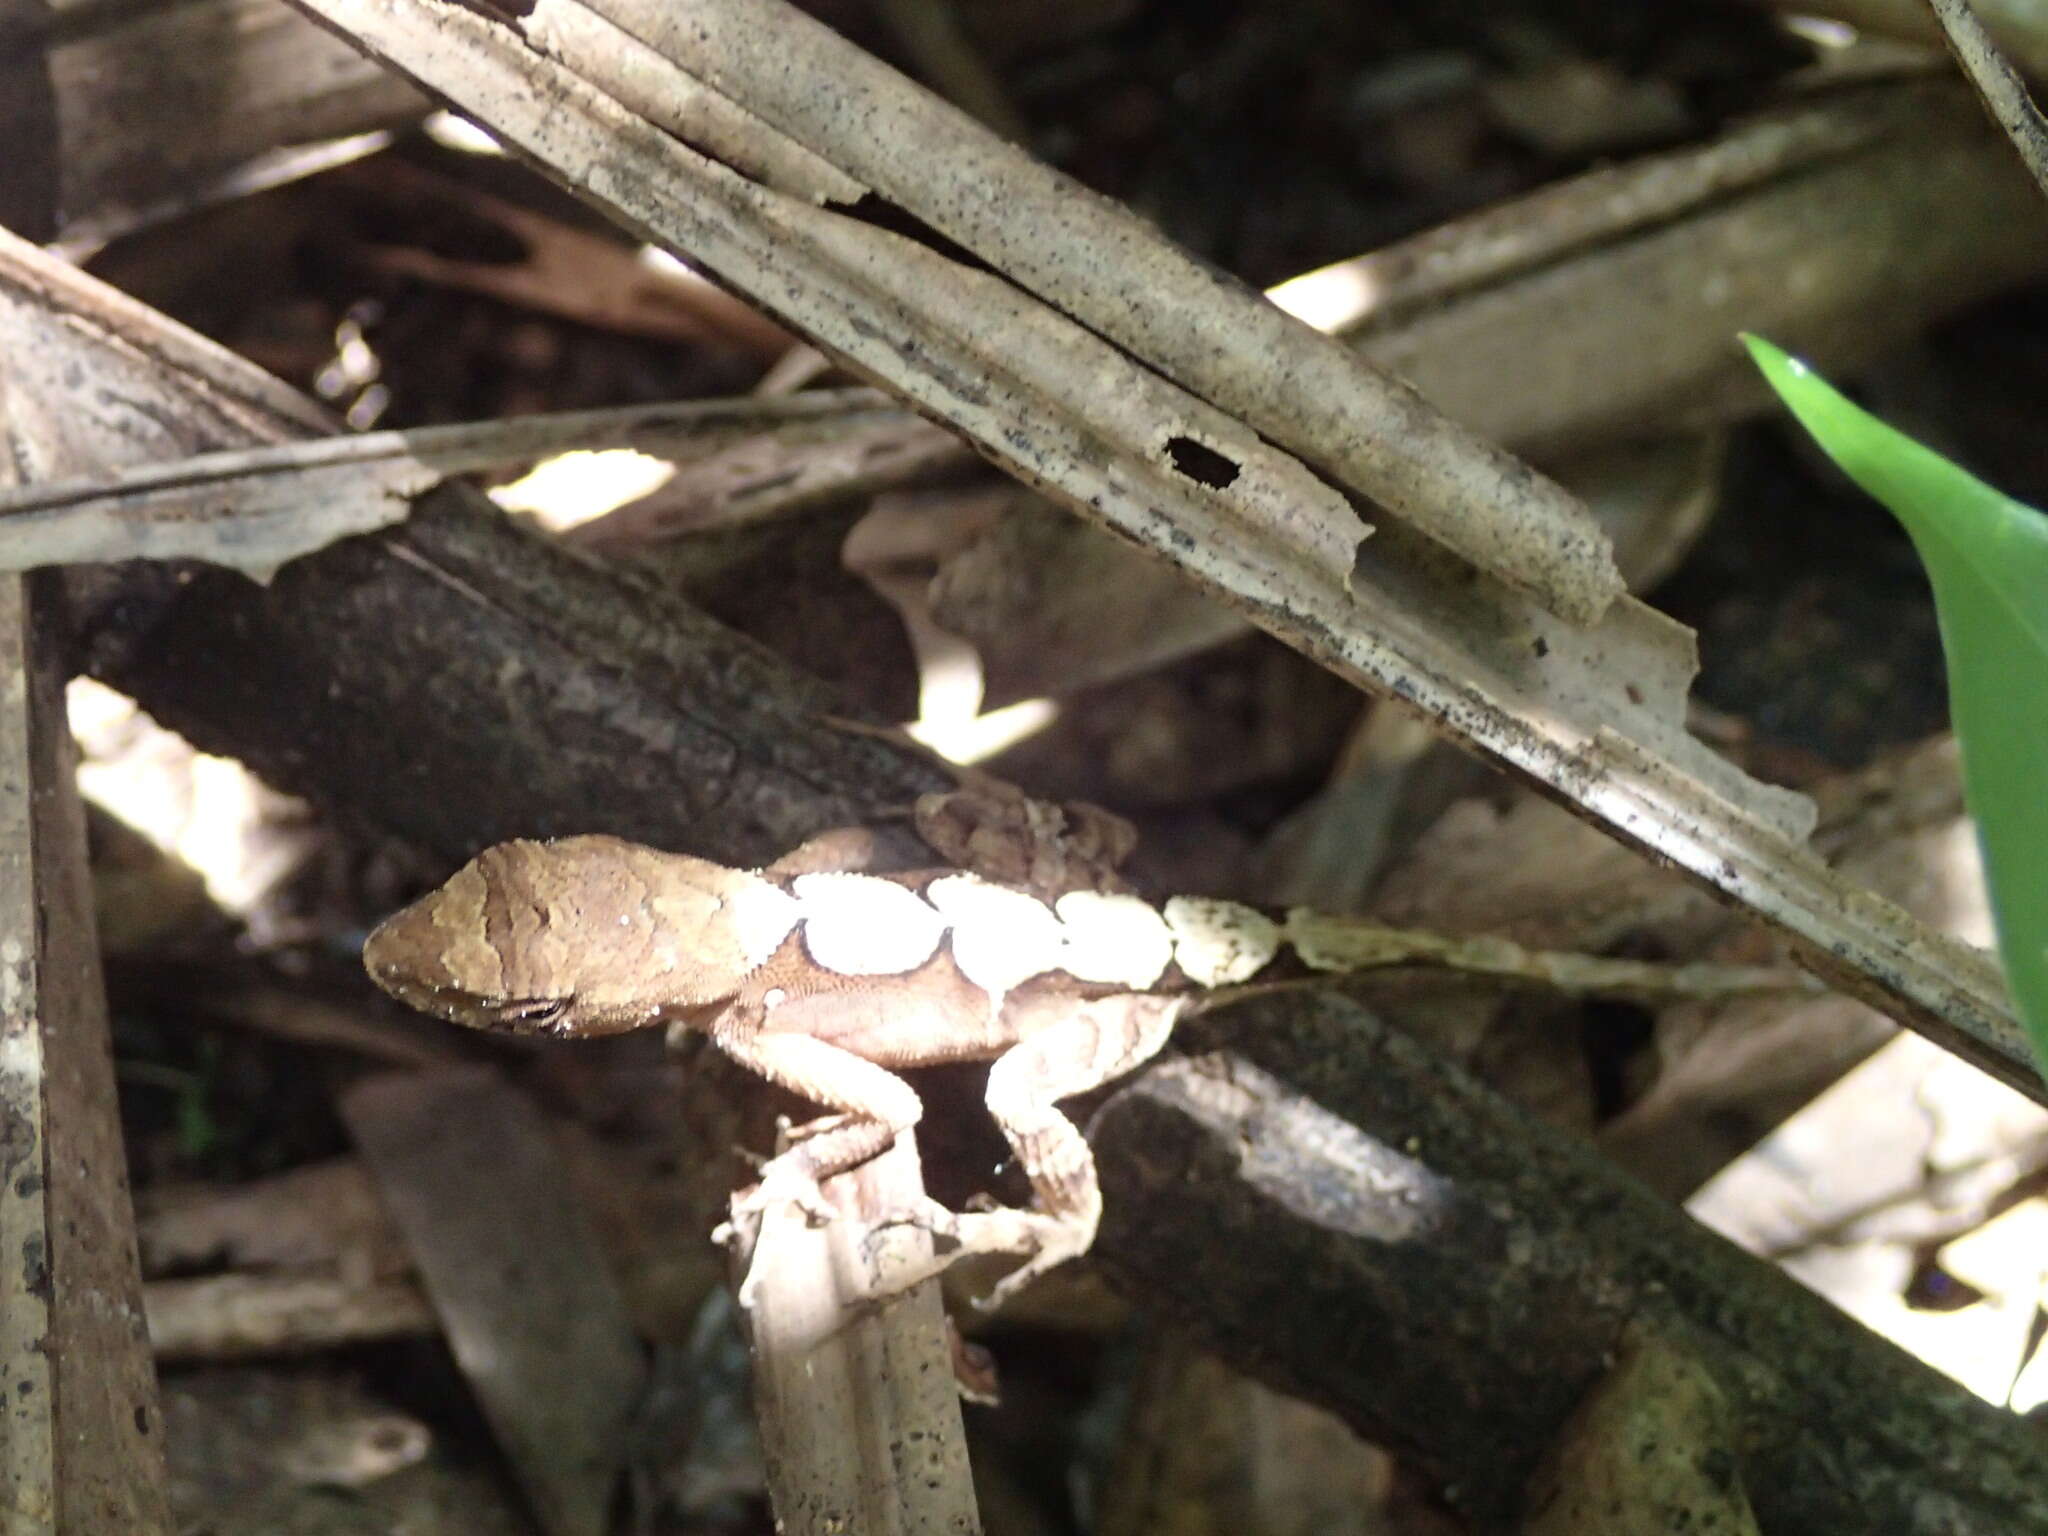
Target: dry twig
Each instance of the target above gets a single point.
(1998, 83)
(860, 1417)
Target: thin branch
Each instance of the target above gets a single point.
(1998, 83)
(860, 1419)
(256, 508)
(242, 1315)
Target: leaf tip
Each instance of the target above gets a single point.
(1771, 358)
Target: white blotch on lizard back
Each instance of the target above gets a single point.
(858, 925)
(1001, 938)
(1116, 940)
(762, 916)
(1220, 943)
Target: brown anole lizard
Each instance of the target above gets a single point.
(826, 979)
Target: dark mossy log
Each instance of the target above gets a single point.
(458, 681)
(783, 581)
(1328, 1205)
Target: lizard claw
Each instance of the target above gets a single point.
(924, 1215)
(1058, 1241)
(1048, 1241)
(927, 1216)
(818, 1126)
(787, 1134)
(786, 1181)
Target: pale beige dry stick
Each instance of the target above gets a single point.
(1998, 83)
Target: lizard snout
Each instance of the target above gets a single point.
(409, 956)
(399, 950)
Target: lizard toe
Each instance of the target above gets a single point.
(1057, 1249)
(820, 1126)
(926, 1215)
(786, 1181)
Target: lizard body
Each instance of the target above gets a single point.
(825, 979)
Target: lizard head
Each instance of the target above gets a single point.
(579, 936)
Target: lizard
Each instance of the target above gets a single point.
(826, 978)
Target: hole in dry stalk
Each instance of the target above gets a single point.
(1201, 463)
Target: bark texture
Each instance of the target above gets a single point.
(1329, 1205)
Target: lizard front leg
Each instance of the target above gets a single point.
(1069, 1046)
(873, 1107)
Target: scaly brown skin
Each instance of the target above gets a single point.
(593, 935)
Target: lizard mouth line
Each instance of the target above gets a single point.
(510, 1016)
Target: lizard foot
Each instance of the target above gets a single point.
(1049, 1241)
(789, 1133)
(786, 1180)
(817, 1126)
(927, 1216)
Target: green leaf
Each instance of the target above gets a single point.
(1987, 556)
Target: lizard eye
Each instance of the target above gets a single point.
(528, 1015)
